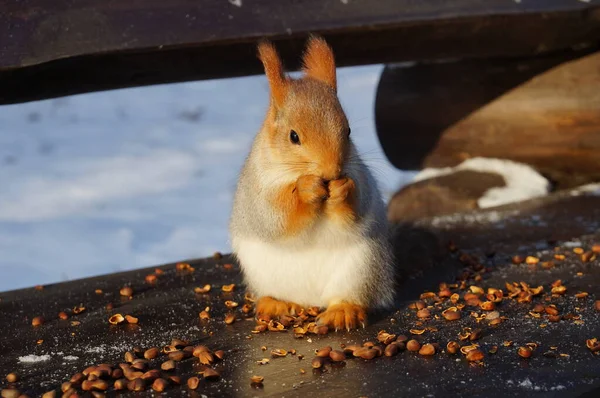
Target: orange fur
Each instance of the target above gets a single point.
(343, 316)
(274, 71)
(340, 206)
(319, 62)
(268, 306)
(301, 203)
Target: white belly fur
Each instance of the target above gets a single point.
(328, 270)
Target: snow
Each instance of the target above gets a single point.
(522, 181)
(588, 189)
(70, 358)
(123, 179)
(34, 358)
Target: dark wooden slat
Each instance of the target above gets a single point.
(65, 47)
(542, 111)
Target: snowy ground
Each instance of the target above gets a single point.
(117, 180)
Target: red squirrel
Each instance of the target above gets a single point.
(309, 224)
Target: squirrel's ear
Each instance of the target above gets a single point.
(274, 71)
(319, 62)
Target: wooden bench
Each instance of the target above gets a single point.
(63, 47)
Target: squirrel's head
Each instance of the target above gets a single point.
(306, 127)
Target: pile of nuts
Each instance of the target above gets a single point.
(142, 370)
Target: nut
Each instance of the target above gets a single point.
(49, 394)
(228, 288)
(487, 306)
(37, 321)
(365, 353)
(151, 353)
(129, 357)
(151, 279)
(392, 349)
(597, 305)
(12, 377)
(317, 362)
(211, 374)
(168, 365)
(198, 349)
(451, 314)
(63, 315)
(202, 290)
(150, 375)
(278, 352)
(525, 352)
(413, 345)
(229, 319)
(257, 379)
(452, 347)
(206, 357)
(193, 383)
(474, 355)
(551, 310)
(160, 385)
(323, 352)
(120, 384)
(177, 355)
(116, 319)
(337, 356)
(131, 319)
(136, 385)
(10, 393)
(427, 349)
(126, 291)
(424, 313)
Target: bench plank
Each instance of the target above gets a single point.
(63, 47)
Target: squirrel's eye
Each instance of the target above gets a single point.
(294, 137)
(349, 131)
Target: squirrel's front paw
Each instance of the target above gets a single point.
(311, 189)
(341, 190)
(343, 316)
(269, 307)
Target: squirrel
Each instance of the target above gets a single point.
(308, 224)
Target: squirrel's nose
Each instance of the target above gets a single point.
(332, 173)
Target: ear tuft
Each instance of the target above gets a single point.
(274, 71)
(319, 62)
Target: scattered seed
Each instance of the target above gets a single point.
(151, 353)
(423, 313)
(551, 310)
(168, 365)
(151, 279)
(365, 353)
(177, 355)
(228, 288)
(116, 319)
(211, 374)
(278, 352)
(131, 319)
(229, 319)
(581, 295)
(202, 290)
(193, 383)
(317, 362)
(204, 315)
(126, 291)
(323, 352)
(474, 355)
(417, 331)
(63, 315)
(452, 347)
(231, 304)
(206, 357)
(10, 393)
(487, 306)
(257, 379)
(531, 260)
(413, 345)
(37, 321)
(136, 385)
(427, 349)
(337, 356)
(160, 385)
(12, 377)
(524, 352)
(392, 349)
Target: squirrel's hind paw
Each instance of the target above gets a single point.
(343, 316)
(270, 307)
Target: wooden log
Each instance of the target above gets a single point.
(62, 47)
(443, 114)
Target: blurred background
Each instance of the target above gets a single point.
(116, 180)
